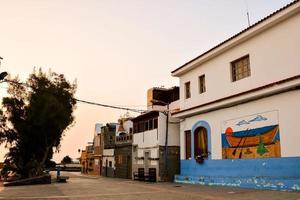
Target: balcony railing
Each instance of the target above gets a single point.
(124, 138)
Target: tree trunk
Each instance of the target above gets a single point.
(40, 168)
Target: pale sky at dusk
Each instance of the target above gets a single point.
(115, 49)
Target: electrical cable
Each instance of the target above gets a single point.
(84, 101)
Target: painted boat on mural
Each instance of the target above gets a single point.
(250, 139)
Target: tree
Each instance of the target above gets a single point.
(66, 160)
(33, 120)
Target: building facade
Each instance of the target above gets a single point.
(98, 150)
(123, 148)
(87, 160)
(156, 136)
(108, 133)
(239, 108)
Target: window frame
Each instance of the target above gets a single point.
(187, 89)
(155, 123)
(150, 123)
(244, 73)
(146, 125)
(201, 84)
(188, 146)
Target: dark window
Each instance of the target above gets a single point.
(136, 127)
(130, 130)
(155, 123)
(146, 125)
(141, 126)
(110, 164)
(240, 68)
(150, 124)
(187, 90)
(187, 144)
(202, 87)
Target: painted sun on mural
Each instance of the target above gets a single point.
(255, 136)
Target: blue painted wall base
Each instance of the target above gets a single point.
(271, 173)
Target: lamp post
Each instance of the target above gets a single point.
(2, 74)
(166, 113)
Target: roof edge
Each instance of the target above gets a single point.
(236, 35)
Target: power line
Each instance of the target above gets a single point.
(86, 102)
(110, 106)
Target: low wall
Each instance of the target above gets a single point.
(270, 173)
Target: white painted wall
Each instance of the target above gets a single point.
(274, 55)
(288, 107)
(109, 155)
(146, 139)
(154, 153)
(173, 132)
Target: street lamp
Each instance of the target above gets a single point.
(2, 74)
(166, 113)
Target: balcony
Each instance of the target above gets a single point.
(124, 138)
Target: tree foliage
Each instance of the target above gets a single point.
(66, 160)
(33, 120)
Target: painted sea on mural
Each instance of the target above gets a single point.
(254, 136)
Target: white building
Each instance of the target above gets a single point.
(150, 133)
(239, 108)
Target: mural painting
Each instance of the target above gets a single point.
(255, 136)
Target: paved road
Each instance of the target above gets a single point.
(91, 187)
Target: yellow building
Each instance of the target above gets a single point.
(87, 160)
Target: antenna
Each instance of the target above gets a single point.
(247, 13)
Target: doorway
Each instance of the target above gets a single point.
(200, 143)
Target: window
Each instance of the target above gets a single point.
(155, 123)
(187, 144)
(150, 124)
(187, 90)
(141, 126)
(130, 130)
(202, 88)
(240, 68)
(135, 127)
(146, 125)
(110, 164)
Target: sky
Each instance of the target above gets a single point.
(116, 50)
